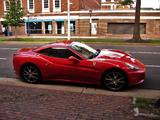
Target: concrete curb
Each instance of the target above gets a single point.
(144, 93)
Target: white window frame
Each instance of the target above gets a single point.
(4, 3)
(45, 9)
(21, 3)
(31, 10)
(103, 1)
(57, 9)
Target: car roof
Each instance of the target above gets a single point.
(63, 43)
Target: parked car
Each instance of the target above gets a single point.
(77, 62)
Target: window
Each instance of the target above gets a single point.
(31, 6)
(59, 53)
(57, 5)
(45, 5)
(72, 27)
(34, 27)
(85, 50)
(6, 5)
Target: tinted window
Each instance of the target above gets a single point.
(58, 52)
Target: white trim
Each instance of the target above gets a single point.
(115, 11)
(21, 3)
(44, 10)
(57, 9)
(109, 11)
(120, 17)
(76, 17)
(4, 4)
(102, 1)
(2, 19)
(31, 10)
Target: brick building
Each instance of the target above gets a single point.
(88, 17)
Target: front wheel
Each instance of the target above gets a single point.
(114, 80)
(30, 74)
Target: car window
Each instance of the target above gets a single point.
(85, 50)
(59, 53)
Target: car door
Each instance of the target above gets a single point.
(58, 65)
(87, 72)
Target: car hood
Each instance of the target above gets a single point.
(108, 54)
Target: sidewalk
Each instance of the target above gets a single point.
(22, 101)
(131, 92)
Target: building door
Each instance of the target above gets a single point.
(60, 28)
(48, 27)
(72, 27)
(94, 28)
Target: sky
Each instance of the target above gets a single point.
(150, 3)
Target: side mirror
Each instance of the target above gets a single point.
(73, 59)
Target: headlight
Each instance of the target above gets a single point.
(132, 67)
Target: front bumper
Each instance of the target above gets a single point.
(136, 77)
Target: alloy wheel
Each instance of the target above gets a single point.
(114, 80)
(30, 74)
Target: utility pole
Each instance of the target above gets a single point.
(28, 25)
(69, 33)
(90, 21)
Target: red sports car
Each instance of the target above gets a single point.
(77, 62)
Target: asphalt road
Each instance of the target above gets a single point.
(149, 55)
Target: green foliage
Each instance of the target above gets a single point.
(126, 2)
(14, 15)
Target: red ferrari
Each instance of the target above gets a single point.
(77, 62)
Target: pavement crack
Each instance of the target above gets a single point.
(82, 91)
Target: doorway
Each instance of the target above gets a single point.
(60, 28)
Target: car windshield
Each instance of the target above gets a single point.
(85, 50)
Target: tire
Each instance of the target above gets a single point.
(31, 74)
(114, 80)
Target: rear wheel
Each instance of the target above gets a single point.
(31, 74)
(114, 80)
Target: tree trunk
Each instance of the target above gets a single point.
(136, 34)
(15, 32)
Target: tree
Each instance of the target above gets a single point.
(136, 31)
(14, 15)
(126, 2)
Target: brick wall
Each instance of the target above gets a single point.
(38, 6)
(24, 6)
(20, 30)
(83, 27)
(74, 6)
(1, 8)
